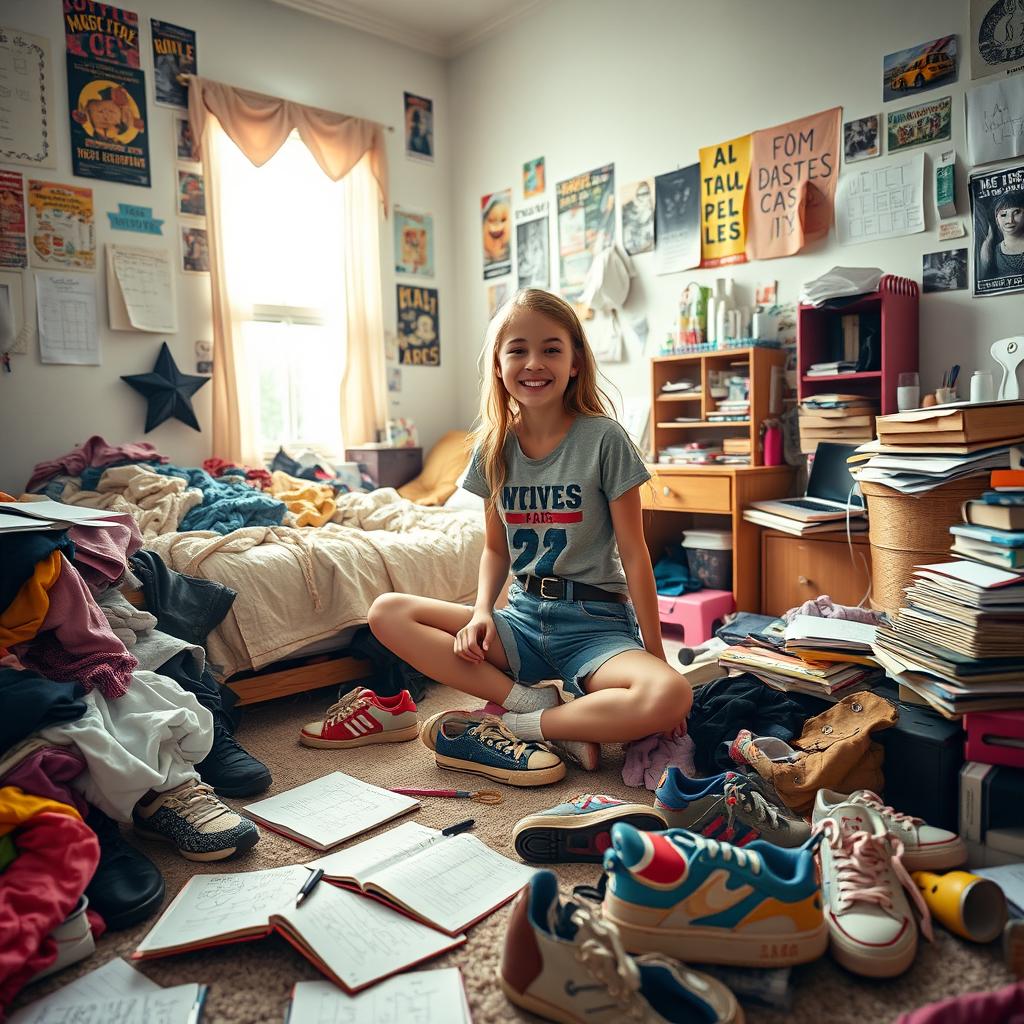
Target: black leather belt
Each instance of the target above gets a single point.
(554, 588)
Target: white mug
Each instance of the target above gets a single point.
(982, 386)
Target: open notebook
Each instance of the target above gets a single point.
(329, 810)
(353, 940)
(450, 882)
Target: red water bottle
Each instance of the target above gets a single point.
(772, 443)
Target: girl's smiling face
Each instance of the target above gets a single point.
(535, 359)
(1011, 221)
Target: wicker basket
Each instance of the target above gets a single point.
(906, 530)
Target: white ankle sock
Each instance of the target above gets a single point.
(526, 726)
(530, 698)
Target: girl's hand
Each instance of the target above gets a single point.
(474, 639)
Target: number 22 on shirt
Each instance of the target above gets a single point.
(528, 542)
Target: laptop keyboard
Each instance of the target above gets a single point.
(813, 506)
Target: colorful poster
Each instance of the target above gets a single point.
(195, 250)
(108, 122)
(793, 172)
(586, 224)
(533, 261)
(26, 134)
(920, 126)
(174, 53)
(102, 33)
(414, 243)
(534, 181)
(677, 220)
(919, 68)
(497, 294)
(997, 37)
(944, 271)
(997, 202)
(724, 172)
(419, 127)
(13, 247)
(496, 224)
(995, 120)
(861, 139)
(636, 200)
(184, 143)
(60, 226)
(419, 341)
(191, 194)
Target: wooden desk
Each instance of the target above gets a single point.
(683, 497)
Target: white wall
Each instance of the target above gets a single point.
(644, 84)
(45, 410)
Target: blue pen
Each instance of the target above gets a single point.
(954, 375)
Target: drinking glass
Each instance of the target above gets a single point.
(908, 391)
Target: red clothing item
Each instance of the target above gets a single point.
(57, 857)
(95, 452)
(1005, 1005)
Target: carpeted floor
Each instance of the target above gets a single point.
(250, 983)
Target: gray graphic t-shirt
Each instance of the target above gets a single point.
(555, 509)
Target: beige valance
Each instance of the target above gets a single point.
(259, 125)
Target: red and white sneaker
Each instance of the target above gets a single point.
(360, 718)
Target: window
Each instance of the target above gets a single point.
(281, 226)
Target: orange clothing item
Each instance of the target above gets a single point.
(17, 807)
(24, 616)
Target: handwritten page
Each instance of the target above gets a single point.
(164, 1006)
(885, 201)
(995, 120)
(66, 307)
(377, 853)
(140, 290)
(361, 940)
(27, 135)
(423, 997)
(330, 810)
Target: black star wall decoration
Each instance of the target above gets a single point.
(168, 391)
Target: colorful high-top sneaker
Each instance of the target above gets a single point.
(697, 899)
(731, 808)
(578, 831)
(363, 717)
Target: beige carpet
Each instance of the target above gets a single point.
(250, 983)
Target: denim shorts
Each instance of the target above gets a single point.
(564, 640)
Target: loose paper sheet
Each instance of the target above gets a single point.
(66, 308)
(27, 135)
(140, 290)
(885, 201)
(995, 120)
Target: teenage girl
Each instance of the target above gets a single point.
(561, 481)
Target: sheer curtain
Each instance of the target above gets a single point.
(228, 122)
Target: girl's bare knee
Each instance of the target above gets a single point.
(667, 702)
(386, 612)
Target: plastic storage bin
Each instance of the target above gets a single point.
(709, 557)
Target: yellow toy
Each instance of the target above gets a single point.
(968, 905)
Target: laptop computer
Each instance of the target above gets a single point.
(828, 489)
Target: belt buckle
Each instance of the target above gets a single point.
(545, 580)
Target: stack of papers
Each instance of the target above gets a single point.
(26, 516)
(913, 469)
(784, 671)
(840, 282)
(801, 528)
(813, 637)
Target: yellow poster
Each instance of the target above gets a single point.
(724, 170)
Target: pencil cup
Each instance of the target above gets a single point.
(945, 395)
(968, 905)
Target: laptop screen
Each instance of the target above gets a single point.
(830, 478)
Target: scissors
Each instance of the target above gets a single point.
(480, 796)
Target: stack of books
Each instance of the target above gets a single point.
(696, 453)
(846, 419)
(735, 410)
(842, 640)
(735, 451)
(832, 369)
(993, 528)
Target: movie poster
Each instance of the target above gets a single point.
(174, 53)
(997, 202)
(920, 126)
(534, 181)
(724, 172)
(419, 127)
(861, 139)
(61, 229)
(101, 33)
(677, 220)
(419, 341)
(586, 225)
(919, 68)
(793, 173)
(636, 201)
(533, 260)
(13, 247)
(414, 243)
(496, 225)
(997, 37)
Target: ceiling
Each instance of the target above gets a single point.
(444, 28)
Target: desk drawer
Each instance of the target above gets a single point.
(798, 569)
(688, 492)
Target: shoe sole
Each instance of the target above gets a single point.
(721, 946)
(510, 776)
(395, 736)
(199, 856)
(138, 913)
(429, 728)
(258, 785)
(942, 857)
(551, 839)
(583, 754)
(874, 961)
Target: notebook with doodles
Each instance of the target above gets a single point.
(450, 882)
(352, 940)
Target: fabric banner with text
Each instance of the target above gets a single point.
(724, 170)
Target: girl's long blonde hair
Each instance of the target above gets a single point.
(499, 410)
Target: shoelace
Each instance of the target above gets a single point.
(874, 801)
(601, 951)
(715, 849)
(861, 860)
(197, 804)
(495, 733)
(745, 794)
(344, 707)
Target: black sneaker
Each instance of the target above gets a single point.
(127, 887)
(230, 769)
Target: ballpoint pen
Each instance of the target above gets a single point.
(309, 885)
(462, 826)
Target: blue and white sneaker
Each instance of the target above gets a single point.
(731, 808)
(578, 832)
(484, 745)
(697, 899)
